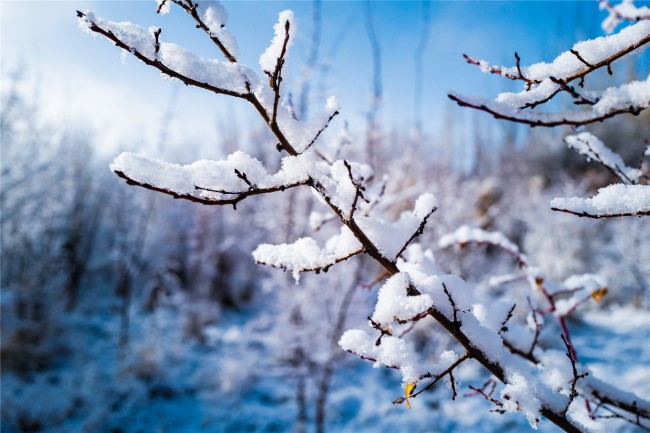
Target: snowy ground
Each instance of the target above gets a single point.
(164, 387)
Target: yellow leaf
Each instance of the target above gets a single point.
(407, 391)
(599, 294)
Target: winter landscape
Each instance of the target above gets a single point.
(325, 216)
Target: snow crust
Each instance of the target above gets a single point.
(538, 92)
(588, 282)
(610, 200)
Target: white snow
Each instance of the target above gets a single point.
(215, 175)
(588, 282)
(223, 75)
(392, 352)
(611, 200)
(424, 206)
(166, 6)
(215, 18)
(465, 234)
(593, 51)
(615, 99)
(538, 92)
(518, 395)
(625, 10)
(635, 93)
(332, 105)
(390, 238)
(393, 303)
(269, 58)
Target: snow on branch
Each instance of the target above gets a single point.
(172, 60)
(392, 238)
(223, 182)
(624, 11)
(211, 19)
(393, 352)
(612, 201)
(467, 235)
(590, 146)
(543, 81)
(305, 255)
(285, 31)
(395, 304)
(631, 98)
(582, 59)
(605, 393)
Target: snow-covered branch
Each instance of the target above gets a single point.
(624, 11)
(593, 149)
(579, 61)
(467, 235)
(612, 201)
(543, 81)
(631, 98)
(224, 182)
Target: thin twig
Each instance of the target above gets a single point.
(437, 378)
(276, 77)
(503, 327)
(320, 131)
(573, 393)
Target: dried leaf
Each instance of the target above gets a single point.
(407, 391)
(599, 294)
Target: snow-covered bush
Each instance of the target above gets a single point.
(503, 337)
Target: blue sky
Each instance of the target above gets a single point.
(81, 78)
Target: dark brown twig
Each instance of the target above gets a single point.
(191, 8)
(492, 365)
(538, 327)
(276, 76)
(453, 304)
(548, 123)
(320, 131)
(437, 378)
(503, 327)
(598, 216)
(210, 201)
(573, 393)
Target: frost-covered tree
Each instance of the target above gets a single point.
(501, 337)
